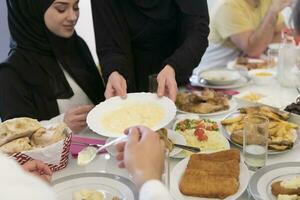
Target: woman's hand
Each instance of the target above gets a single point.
(116, 86)
(39, 169)
(167, 85)
(75, 118)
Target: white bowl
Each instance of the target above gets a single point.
(262, 76)
(220, 77)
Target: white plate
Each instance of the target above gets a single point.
(260, 183)
(175, 137)
(110, 105)
(199, 82)
(232, 106)
(111, 185)
(220, 77)
(271, 152)
(179, 169)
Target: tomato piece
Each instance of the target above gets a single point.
(199, 131)
(202, 137)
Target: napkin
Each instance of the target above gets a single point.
(75, 148)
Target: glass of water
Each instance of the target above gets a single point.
(255, 142)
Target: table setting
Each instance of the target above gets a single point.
(177, 122)
(218, 130)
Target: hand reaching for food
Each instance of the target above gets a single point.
(143, 154)
(75, 118)
(167, 85)
(39, 169)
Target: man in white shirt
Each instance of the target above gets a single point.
(143, 156)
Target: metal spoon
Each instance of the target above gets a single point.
(88, 154)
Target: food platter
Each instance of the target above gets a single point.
(111, 117)
(216, 141)
(179, 169)
(207, 102)
(260, 183)
(110, 185)
(232, 106)
(227, 134)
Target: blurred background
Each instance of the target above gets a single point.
(84, 27)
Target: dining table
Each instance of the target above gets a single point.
(276, 96)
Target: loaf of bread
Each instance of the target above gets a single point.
(17, 128)
(16, 146)
(287, 187)
(45, 137)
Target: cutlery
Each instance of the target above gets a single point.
(170, 144)
(298, 89)
(88, 154)
(187, 148)
(87, 144)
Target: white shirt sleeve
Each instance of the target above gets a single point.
(154, 190)
(17, 184)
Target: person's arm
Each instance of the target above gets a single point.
(254, 42)
(17, 184)
(192, 38)
(111, 56)
(114, 61)
(154, 189)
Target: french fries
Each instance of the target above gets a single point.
(279, 129)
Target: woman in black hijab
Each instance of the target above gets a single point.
(50, 72)
(137, 38)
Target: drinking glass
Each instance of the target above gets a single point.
(255, 142)
(152, 81)
(272, 56)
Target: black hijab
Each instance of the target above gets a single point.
(37, 54)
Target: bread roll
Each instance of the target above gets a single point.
(16, 146)
(45, 137)
(17, 128)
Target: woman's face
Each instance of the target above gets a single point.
(61, 17)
